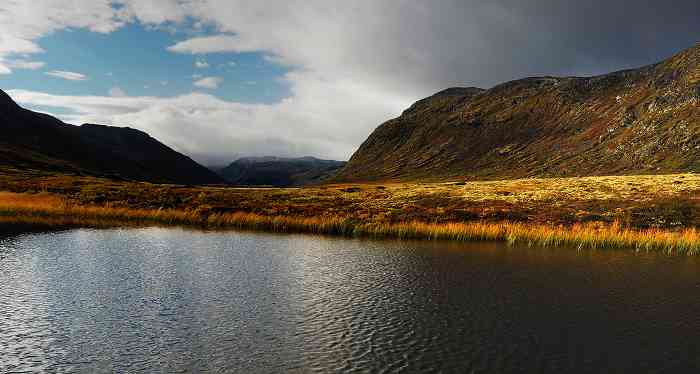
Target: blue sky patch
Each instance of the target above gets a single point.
(135, 59)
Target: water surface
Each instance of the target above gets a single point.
(172, 300)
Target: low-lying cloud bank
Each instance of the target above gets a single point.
(213, 131)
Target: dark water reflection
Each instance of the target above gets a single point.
(169, 300)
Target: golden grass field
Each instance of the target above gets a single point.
(649, 213)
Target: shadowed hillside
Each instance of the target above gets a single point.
(280, 172)
(39, 141)
(636, 121)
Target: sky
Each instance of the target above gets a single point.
(219, 79)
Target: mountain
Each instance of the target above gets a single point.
(39, 141)
(645, 120)
(280, 172)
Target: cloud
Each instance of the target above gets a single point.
(355, 64)
(10, 44)
(201, 64)
(25, 21)
(116, 92)
(212, 44)
(209, 82)
(67, 75)
(154, 12)
(419, 48)
(210, 129)
(6, 66)
(24, 64)
(409, 50)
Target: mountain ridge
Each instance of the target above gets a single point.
(40, 141)
(643, 120)
(280, 171)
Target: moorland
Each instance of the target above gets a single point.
(644, 212)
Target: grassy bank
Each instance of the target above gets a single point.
(51, 210)
(640, 202)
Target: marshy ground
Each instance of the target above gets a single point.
(632, 210)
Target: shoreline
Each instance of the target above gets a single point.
(52, 211)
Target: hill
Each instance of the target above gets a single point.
(34, 140)
(638, 121)
(279, 172)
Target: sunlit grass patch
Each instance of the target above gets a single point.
(51, 210)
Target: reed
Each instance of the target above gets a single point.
(52, 210)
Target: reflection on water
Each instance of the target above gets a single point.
(170, 300)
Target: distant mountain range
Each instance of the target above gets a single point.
(279, 171)
(39, 141)
(645, 120)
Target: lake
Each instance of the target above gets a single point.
(159, 300)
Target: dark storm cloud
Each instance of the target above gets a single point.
(485, 43)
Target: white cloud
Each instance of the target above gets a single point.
(10, 44)
(116, 92)
(24, 64)
(201, 64)
(67, 75)
(7, 66)
(212, 44)
(154, 12)
(208, 128)
(24, 21)
(209, 82)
